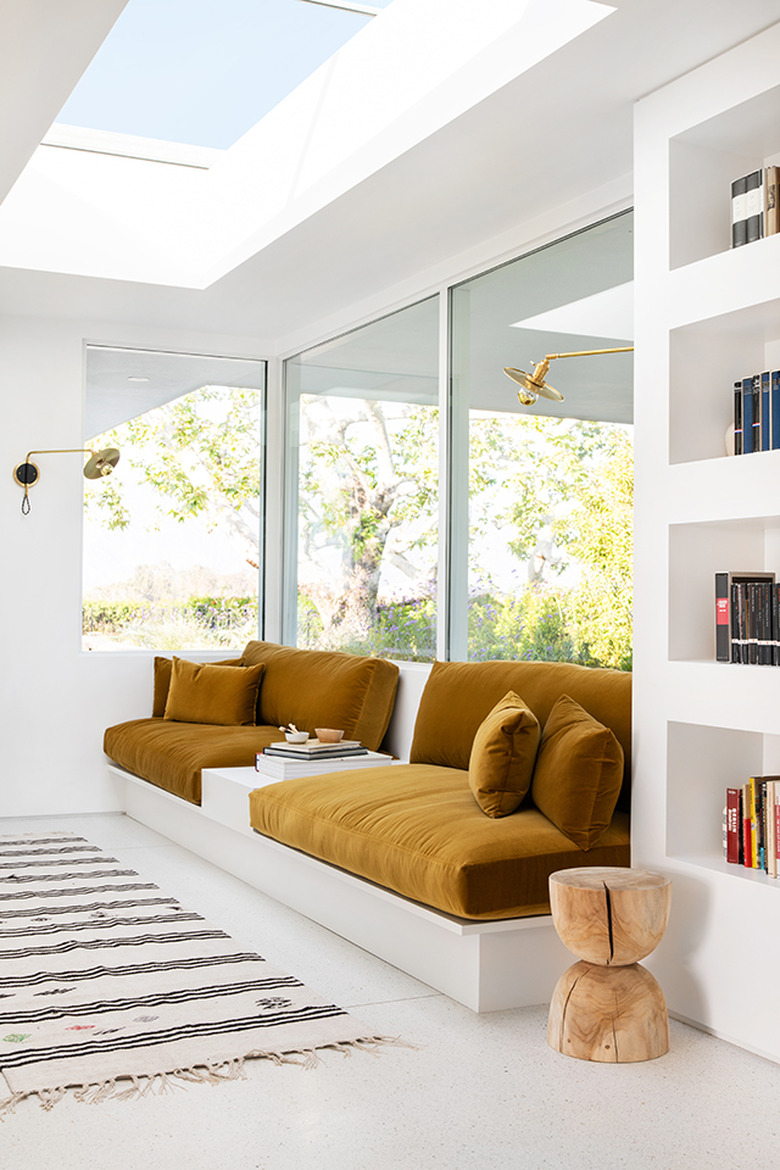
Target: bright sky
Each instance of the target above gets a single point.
(204, 72)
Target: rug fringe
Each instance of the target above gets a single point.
(211, 1073)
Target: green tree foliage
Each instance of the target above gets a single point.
(200, 455)
(554, 494)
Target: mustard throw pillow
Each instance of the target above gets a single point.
(578, 773)
(502, 756)
(162, 681)
(203, 692)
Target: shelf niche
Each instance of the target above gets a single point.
(703, 163)
(696, 553)
(706, 359)
(703, 761)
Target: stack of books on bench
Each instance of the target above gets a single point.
(287, 760)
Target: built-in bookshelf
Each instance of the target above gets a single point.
(707, 314)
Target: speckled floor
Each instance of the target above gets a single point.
(475, 1091)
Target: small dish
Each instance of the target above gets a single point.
(296, 736)
(328, 734)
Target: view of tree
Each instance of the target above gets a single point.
(197, 460)
(550, 531)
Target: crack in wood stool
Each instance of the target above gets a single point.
(607, 1007)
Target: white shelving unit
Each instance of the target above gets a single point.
(706, 316)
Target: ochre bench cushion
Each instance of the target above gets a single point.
(416, 829)
(324, 688)
(171, 754)
(458, 696)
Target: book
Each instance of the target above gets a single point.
(766, 412)
(280, 768)
(774, 395)
(747, 416)
(770, 823)
(754, 205)
(739, 212)
(746, 618)
(755, 388)
(738, 418)
(286, 752)
(733, 835)
(747, 838)
(771, 205)
(723, 635)
(748, 200)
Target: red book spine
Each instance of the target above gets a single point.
(732, 825)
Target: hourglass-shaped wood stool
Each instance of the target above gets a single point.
(607, 1007)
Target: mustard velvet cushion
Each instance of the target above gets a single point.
(458, 696)
(172, 755)
(578, 773)
(502, 756)
(325, 688)
(415, 829)
(162, 681)
(202, 692)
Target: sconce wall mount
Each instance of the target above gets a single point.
(533, 386)
(100, 463)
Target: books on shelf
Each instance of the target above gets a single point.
(747, 618)
(754, 206)
(751, 826)
(757, 413)
(281, 768)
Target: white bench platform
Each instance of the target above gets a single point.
(487, 966)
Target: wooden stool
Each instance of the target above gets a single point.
(607, 1007)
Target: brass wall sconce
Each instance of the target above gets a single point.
(533, 386)
(99, 464)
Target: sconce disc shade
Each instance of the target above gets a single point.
(26, 474)
(532, 388)
(101, 463)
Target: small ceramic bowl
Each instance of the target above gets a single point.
(328, 734)
(296, 736)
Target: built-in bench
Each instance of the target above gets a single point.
(485, 964)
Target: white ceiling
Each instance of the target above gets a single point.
(561, 129)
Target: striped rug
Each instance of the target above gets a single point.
(109, 988)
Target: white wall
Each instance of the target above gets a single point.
(56, 701)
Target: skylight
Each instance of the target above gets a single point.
(204, 72)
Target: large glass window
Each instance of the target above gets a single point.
(542, 524)
(363, 489)
(172, 541)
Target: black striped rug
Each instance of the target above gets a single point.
(108, 988)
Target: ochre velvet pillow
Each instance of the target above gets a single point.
(502, 756)
(203, 692)
(162, 681)
(578, 773)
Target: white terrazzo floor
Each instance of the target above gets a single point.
(476, 1091)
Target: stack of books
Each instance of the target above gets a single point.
(754, 207)
(751, 824)
(747, 618)
(285, 761)
(757, 413)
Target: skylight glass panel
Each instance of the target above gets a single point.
(204, 72)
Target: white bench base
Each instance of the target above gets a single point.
(487, 966)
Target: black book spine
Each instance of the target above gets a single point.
(747, 416)
(722, 618)
(757, 412)
(739, 212)
(766, 412)
(737, 418)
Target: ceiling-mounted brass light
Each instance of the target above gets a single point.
(533, 386)
(100, 463)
